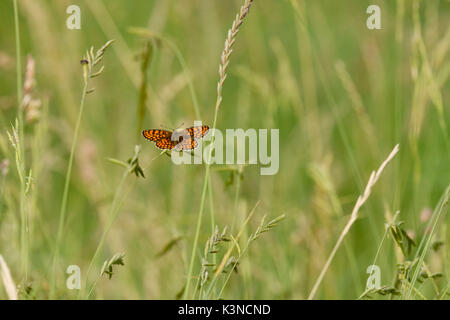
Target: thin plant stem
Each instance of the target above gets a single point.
(225, 59)
(407, 284)
(119, 197)
(146, 59)
(230, 250)
(18, 68)
(88, 73)
(197, 232)
(382, 241)
(211, 205)
(63, 210)
(444, 292)
(21, 164)
(361, 200)
(426, 241)
(236, 199)
(114, 211)
(173, 47)
(377, 254)
(183, 64)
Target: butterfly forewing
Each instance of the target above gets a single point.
(156, 134)
(198, 132)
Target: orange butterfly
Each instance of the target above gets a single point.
(185, 139)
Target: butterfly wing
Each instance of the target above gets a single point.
(198, 132)
(186, 144)
(163, 138)
(166, 143)
(190, 137)
(156, 134)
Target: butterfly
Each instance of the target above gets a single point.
(179, 140)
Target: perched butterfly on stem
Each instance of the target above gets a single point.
(178, 140)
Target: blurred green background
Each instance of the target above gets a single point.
(342, 96)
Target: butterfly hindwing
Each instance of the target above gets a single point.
(166, 143)
(186, 145)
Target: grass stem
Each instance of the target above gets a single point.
(361, 200)
(21, 150)
(225, 59)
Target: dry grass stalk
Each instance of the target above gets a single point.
(231, 38)
(361, 200)
(357, 102)
(29, 103)
(8, 282)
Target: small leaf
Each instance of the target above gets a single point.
(118, 162)
(99, 72)
(168, 246)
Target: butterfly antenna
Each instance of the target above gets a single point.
(164, 127)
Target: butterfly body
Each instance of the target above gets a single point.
(178, 140)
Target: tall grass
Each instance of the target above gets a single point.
(424, 246)
(89, 62)
(359, 202)
(224, 62)
(20, 151)
(119, 196)
(339, 93)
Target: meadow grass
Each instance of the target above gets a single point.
(223, 66)
(18, 136)
(341, 95)
(89, 62)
